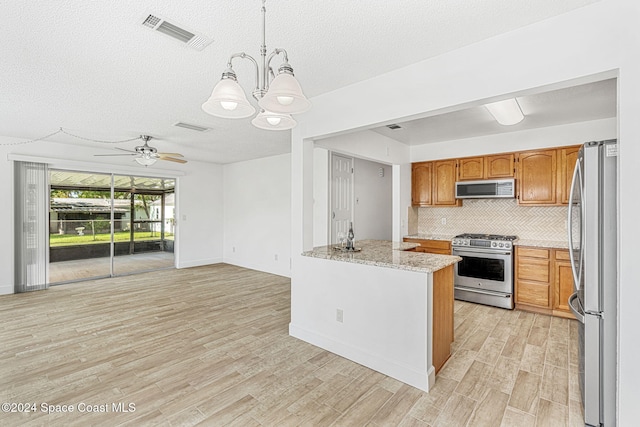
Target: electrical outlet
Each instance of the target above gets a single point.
(233, 249)
(339, 315)
(444, 221)
(275, 257)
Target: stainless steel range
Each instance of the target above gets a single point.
(485, 274)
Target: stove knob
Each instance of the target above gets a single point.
(507, 245)
(501, 245)
(493, 244)
(454, 242)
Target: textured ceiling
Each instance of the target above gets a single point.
(93, 69)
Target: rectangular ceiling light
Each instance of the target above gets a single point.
(506, 112)
(190, 38)
(192, 127)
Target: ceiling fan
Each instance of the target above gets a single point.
(147, 155)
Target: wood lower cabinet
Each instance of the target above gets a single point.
(443, 324)
(441, 247)
(533, 278)
(563, 284)
(543, 281)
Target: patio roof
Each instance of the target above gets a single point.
(98, 181)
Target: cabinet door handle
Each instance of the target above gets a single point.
(333, 215)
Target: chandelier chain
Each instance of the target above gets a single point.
(61, 130)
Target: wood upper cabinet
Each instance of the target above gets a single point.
(421, 179)
(471, 168)
(499, 166)
(487, 167)
(537, 177)
(567, 158)
(444, 183)
(434, 183)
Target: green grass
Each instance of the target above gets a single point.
(88, 239)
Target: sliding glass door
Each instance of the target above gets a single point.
(104, 225)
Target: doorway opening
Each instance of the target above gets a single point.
(105, 225)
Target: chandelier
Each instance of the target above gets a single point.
(278, 96)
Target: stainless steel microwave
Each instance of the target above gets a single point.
(486, 189)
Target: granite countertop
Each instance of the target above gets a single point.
(554, 244)
(430, 236)
(384, 253)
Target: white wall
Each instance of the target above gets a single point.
(257, 214)
(199, 211)
(369, 145)
(199, 194)
(372, 207)
(598, 40)
(320, 196)
(553, 136)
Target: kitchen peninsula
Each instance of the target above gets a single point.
(384, 307)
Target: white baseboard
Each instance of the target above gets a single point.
(199, 262)
(6, 289)
(420, 380)
(259, 267)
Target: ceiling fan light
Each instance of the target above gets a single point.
(228, 100)
(285, 96)
(507, 112)
(273, 121)
(145, 160)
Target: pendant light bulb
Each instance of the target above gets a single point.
(275, 121)
(285, 100)
(228, 105)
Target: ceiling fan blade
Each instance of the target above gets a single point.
(171, 159)
(171, 154)
(128, 151)
(111, 155)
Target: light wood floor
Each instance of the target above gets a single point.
(84, 269)
(210, 346)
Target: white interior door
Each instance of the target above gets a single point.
(341, 194)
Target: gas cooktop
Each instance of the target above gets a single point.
(487, 241)
(486, 236)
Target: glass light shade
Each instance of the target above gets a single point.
(285, 96)
(273, 121)
(228, 101)
(506, 112)
(145, 160)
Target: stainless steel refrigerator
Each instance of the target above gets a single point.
(592, 232)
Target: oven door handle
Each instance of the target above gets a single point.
(482, 291)
(458, 251)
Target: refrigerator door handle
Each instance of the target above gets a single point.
(575, 306)
(577, 180)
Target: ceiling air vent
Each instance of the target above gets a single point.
(394, 126)
(192, 127)
(190, 38)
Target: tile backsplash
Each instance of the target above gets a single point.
(496, 216)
